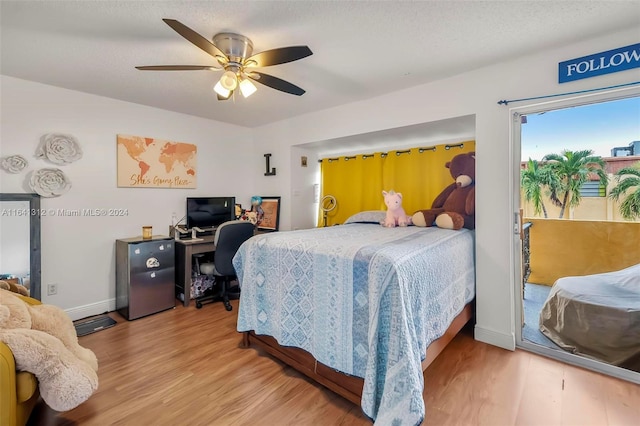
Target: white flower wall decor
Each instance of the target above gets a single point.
(13, 163)
(59, 148)
(49, 182)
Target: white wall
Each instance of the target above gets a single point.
(78, 252)
(476, 92)
(304, 207)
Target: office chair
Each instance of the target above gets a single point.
(228, 238)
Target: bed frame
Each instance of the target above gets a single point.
(349, 387)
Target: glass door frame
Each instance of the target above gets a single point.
(515, 114)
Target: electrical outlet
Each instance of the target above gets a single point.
(52, 289)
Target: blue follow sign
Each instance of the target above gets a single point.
(623, 58)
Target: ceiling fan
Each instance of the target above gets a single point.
(233, 53)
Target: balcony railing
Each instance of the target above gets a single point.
(561, 248)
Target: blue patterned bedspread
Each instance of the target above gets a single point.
(362, 299)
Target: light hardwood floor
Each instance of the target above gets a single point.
(188, 367)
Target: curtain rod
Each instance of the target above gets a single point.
(506, 102)
(428, 148)
(458, 145)
(407, 151)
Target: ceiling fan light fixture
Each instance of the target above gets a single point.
(250, 63)
(247, 88)
(222, 60)
(229, 80)
(220, 90)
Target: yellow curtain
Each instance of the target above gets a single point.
(355, 182)
(406, 172)
(418, 173)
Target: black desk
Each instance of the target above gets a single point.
(185, 249)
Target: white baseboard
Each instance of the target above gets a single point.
(495, 338)
(97, 308)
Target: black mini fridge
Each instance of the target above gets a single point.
(145, 276)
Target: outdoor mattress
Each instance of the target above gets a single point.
(597, 316)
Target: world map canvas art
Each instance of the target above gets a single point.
(155, 163)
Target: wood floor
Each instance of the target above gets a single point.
(187, 367)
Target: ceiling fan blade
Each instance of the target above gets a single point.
(177, 68)
(278, 56)
(276, 83)
(195, 38)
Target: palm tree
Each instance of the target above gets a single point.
(532, 179)
(626, 179)
(572, 168)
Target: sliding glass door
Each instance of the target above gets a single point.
(566, 156)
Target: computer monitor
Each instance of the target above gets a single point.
(209, 212)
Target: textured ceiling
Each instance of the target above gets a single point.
(361, 49)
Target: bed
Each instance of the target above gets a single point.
(356, 306)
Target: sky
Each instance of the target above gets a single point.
(599, 127)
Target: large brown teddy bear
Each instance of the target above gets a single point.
(455, 207)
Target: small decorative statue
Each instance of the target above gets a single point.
(256, 213)
(395, 213)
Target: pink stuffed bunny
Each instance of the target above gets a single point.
(395, 213)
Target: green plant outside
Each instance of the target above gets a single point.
(628, 182)
(571, 169)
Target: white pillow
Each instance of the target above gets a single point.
(369, 216)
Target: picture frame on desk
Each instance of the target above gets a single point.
(271, 219)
